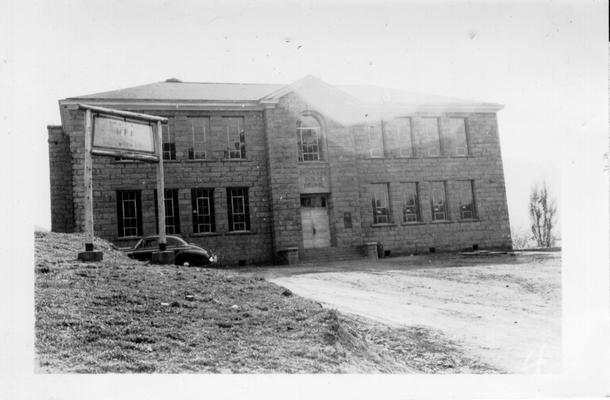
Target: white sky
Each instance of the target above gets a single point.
(538, 59)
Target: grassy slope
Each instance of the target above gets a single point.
(122, 315)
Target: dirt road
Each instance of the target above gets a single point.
(507, 311)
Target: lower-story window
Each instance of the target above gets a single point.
(129, 212)
(381, 206)
(438, 201)
(172, 212)
(238, 209)
(465, 196)
(202, 200)
(410, 207)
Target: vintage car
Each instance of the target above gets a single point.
(185, 253)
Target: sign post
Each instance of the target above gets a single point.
(128, 135)
(89, 254)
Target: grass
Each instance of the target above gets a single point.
(122, 315)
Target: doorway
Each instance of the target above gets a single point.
(314, 221)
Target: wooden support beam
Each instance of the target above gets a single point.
(88, 178)
(160, 189)
(121, 113)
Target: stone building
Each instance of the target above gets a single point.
(265, 172)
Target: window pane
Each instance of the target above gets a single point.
(410, 209)
(238, 209)
(381, 209)
(236, 137)
(199, 132)
(169, 145)
(308, 139)
(128, 213)
(400, 130)
(465, 200)
(375, 140)
(172, 217)
(430, 139)
(203, 210)
(437, 201)
(457, 136)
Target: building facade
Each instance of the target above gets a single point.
(263, 173)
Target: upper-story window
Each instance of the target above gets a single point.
(236, 137)
(309, 139)
(430, 137)
(199, 132)
(399, 130)
(457, 137)
(169, 142)
(375, 136)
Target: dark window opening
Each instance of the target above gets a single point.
(202, 200)
(238, 209)
(172, 212)
(129, 213)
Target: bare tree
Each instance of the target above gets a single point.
(542, 214)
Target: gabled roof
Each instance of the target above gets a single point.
(172, 90)
(345, 104)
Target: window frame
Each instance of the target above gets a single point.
(230, 153)
(386, 211)
(232, 194)
(319, 151)
(169, 145)
(460, 192)
(193, 154)
(445, 210)
(425, 135)
(453, 136)
(198, 217)
(381, 140)
(401, 137)
(417, 204)
(137, 199)
(174, 198)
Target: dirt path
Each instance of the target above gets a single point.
(509, 314)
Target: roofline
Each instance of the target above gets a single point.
(259, 105)
(166, 105)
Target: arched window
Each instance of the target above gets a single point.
(309, 139)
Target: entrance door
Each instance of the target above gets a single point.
(314, 221)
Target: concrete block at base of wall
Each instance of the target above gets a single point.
(288, 255)
(90, 256)
(370, 250)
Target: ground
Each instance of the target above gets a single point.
(122, 315)
(503, 310)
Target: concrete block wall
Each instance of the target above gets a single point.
(483, 166)
(280, 123)
(110, 175)
(60, 168)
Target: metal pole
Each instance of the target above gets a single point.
(160, 190)
(88, 180)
